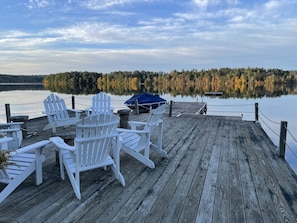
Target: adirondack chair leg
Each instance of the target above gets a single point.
(76, 185)
(118, 175)
(62, 171)
(74, 179)
(39, 160)
(116, 145)
(159, 148)
(145, 160)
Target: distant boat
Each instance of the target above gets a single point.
(145, 101)
(213, 93)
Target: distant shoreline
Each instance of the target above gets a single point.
(33, 83)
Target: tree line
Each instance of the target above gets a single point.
(233, 82)
(236, 82)
(74, 82)
(6, 78)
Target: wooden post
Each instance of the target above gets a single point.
(170, 108)
(7, 111)
(136, 107)
(256, 112)
(282, 139)
(73, 102)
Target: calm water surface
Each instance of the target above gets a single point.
(271, 110)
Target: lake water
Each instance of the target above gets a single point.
(271, 110)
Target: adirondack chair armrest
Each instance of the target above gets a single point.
(76, 111)
(121, 130)
(88, 110)
(32, 147)
(135, 124)
(60, 143)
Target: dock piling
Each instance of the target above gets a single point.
(282, 139)
(73, 102)
(7, 111)
(256, 112)
(170, 108)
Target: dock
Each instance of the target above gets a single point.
(219, 169)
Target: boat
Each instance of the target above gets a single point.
(145, 102)
(213, 93)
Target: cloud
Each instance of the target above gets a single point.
(105, 4)
(272, 4)
(38, 3)
(203, 4)
(230, 34)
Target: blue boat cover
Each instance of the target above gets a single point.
(145, 98)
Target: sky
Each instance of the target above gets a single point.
(41, 37)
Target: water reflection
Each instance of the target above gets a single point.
(20, 86)
(24, 100)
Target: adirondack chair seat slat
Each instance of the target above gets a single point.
(25, 162)
(19, 168)
(28, 157)
(131, 140)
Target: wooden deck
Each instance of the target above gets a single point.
(220, 169)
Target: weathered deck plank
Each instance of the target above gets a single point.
(220, 169)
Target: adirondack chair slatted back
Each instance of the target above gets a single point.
(93, 140)
(155, 117)
(12, 130)
(101, 103)
(137, 141)
(95, 136)
(55, 108)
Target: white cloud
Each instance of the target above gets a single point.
(224, 35)
(38, 3)
(203, 4)
(104, 4)
(272, 4)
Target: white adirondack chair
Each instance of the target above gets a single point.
(137, 140)
(4, 142)
(12, 130)
(24, 163)
(95, 136)
(101, 103)
(58, 114)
